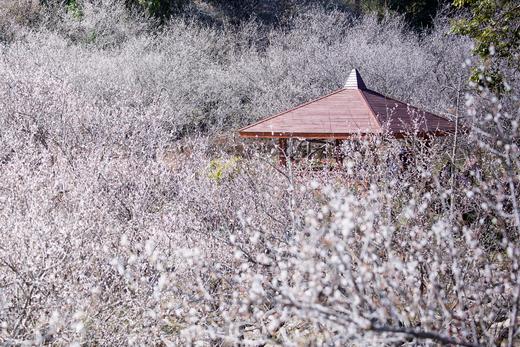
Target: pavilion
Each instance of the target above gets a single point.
(349, 112)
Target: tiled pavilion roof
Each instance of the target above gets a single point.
(352, 110)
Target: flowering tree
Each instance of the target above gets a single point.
(127, 218)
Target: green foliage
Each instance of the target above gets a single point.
(161, 9)
(91, 37)
(494, 25)
(220, 169)
(74, 9)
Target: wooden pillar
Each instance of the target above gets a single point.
(338, 153)
(282, 151)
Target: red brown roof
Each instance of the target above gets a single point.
(352, 110)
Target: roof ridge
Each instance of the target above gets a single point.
(290, 110)
(373, 113)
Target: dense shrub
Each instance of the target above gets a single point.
(194, 78)
(130, 215)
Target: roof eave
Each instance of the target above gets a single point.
(339, 136)
(278, 135)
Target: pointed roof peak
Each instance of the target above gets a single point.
(354, 81)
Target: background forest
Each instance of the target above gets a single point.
(131, 214)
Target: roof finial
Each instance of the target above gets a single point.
(354, 81)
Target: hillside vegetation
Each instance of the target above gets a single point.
(131, 214)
